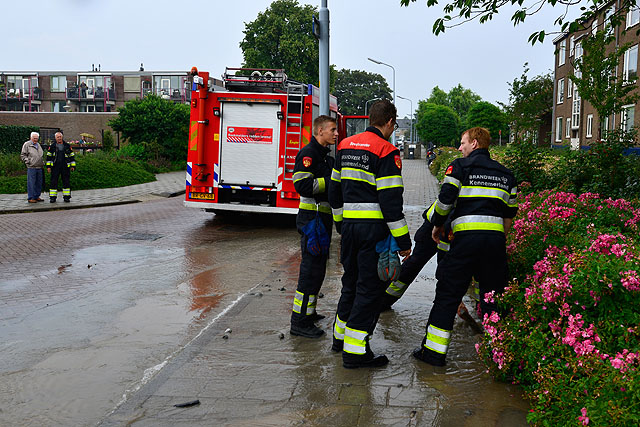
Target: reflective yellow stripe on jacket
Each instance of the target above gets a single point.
(362, 211)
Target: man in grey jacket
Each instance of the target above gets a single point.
(31, 155)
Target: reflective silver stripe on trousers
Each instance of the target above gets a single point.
(469, 191)
(437, 339)
(451, 180)
(348, 173)
(338, 328)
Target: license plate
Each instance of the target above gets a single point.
(205, 196)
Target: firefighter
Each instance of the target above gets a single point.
(484, 194)
(312, 173)
(366, 200)
(60, 161)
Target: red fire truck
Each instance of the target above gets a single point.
(243, 141)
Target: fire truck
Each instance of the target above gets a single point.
(243, 141)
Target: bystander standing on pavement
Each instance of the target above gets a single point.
(484, 195)
(312, 173)
(60, 161)
(366, 198)
(31, 154)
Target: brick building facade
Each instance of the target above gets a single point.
(575, 122)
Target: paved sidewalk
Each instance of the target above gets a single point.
(244, 368)
(166, 185)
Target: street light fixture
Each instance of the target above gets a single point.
(366, 105)
(411, 128)
(394, 86)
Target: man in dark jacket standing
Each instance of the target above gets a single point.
(60, 161)
(366, 200)
(311, 176)
(484, 195)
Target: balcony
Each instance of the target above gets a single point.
(170, 94)
(19, 95)
(79, 93)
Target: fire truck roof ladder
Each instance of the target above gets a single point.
(295, 107)
(262, 80)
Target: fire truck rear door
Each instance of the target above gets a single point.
(249, 140)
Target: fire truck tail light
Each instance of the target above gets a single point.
(307, 107)
(194, 103)
(216, 111)
(289, 195)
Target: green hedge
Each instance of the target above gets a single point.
(92, 171)
(12, 137)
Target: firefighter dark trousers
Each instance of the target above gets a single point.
(473, 254)
(311, 276)
(359, 304)
(57, 170)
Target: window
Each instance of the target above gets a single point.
(578, 50)
(58, 83)
(607, 20)
(58, 106)
(633, 16)
(560, 91)
(589, 125)
(575, 110)
(562, 52)
(569, 88)
(572, 43)
(631, 64)
(628, 117)
(567, 132)
(132, 84)
(594, 26)
(558, 129)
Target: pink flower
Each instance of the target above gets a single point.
(630, 280)
(584, 418)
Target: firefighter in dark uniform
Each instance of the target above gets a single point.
(484, 194)
(60, 161)
(366, 200)
(311, 176)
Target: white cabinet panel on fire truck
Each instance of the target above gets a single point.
(249, 140)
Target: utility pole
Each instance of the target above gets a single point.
(324, 58)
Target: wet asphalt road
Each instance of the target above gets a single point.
(112, 315)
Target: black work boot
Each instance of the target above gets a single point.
(67, 199)
(337, 345)
(427, 356)
(52, 199)
(367, 360)
(306, 329)
(316, 316)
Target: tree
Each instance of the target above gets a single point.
(155, 123)
(437, 124)
(354, 88)
(596, 79)
(438, 96)
(487, 115)
(458, 98)
(530, 101)
(460, 11)
(281, 37)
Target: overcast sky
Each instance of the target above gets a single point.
(70, 35)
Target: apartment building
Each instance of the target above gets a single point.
(89, 91)
(575, 122)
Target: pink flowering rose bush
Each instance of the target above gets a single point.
(569, 326)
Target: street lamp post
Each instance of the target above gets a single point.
(394, 87)
(366, 105)
(410, 128)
